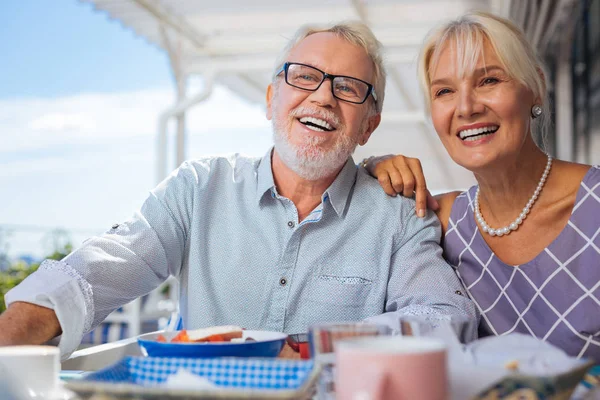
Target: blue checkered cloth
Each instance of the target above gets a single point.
(247, 373)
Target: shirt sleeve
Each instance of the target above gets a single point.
(421, 282)
(56, 283)
(108, 271)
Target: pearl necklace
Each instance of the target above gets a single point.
(515, 224)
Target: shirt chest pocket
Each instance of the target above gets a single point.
(351, 291)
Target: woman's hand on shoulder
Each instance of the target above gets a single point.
(403, 175)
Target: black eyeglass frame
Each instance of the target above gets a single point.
(370, 91)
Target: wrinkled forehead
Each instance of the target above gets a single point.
(459, 52)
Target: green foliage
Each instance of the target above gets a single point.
(20, 270)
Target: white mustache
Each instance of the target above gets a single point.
(319, 113)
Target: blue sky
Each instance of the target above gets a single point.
(63, 47)
(80, 98)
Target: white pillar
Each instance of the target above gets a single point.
(161, 150)
(178, 110)
(181, 135)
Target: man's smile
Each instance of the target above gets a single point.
(316, 124)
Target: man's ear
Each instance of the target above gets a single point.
(269, 99)
(372, 124)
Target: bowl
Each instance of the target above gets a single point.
(265, 344)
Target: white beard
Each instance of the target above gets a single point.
(307, 159)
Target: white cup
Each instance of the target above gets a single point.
(29, 372)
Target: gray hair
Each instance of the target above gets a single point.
(356, 33)
(467, 34)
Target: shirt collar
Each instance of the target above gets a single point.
(338, 192)
(265, 176)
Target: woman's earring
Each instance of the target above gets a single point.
(536, 111)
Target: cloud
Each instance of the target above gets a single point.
(26, 167)
(57, 122)
(37, 123)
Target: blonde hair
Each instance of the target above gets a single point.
(356, 33)
(467, 35)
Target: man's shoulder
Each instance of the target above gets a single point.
(397, 213)
(369, 188)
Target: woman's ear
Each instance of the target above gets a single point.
(540, 98)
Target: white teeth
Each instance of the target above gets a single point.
(316, 121)
(476, 137)
(314, 128)
(475, 132)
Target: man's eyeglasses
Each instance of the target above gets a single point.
(346, 88)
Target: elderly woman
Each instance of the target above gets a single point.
(525, 241)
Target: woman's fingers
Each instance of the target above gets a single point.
(396, 179)
(420, 186)
(399, 175)
(388, 177)
(404, 175)
(409, 182)
(408, 179)
(386, 184)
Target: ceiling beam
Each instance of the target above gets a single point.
(175, 22)
(424, 14)
(234, 44)
(245, 86)
(228, 64)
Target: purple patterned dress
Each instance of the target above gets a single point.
(554, 297)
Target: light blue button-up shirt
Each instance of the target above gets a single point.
(243, 257)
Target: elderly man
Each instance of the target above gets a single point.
(298, 237)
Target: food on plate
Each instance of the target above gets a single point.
(214, 334)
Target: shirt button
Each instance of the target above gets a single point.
(115, 226)
(291, 224)
(458, 292)
(283, 281)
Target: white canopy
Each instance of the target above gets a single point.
(235, 42)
